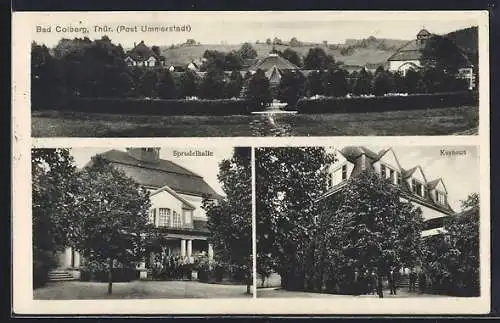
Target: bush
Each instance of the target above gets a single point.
(160, 107)
(209, 271)
(43, 262)
(98, 271)
(386, 103)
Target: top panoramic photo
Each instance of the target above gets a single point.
(255, 74)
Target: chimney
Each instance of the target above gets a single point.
(148, 155)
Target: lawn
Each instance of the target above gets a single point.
(281, 293)
(138, 289)
(444, 121)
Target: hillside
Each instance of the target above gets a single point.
(467, 39)
(359, 56)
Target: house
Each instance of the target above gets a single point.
(273, 66)
(176, 195)
(143, 56)
(431, 196)
(410, 54)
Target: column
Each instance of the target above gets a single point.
(183, 248)
(67, 257)
(189, 249)
(77, 259)
(210, 251)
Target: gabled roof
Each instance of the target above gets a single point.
(159, 173)
(166, 188)
(273, 60)
(141, 52)
(434, 183)
(423, 33)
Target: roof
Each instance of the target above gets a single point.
(273, 60)
(424, 32)
(141, 52)
(160, 173)
(174, 194)
(353, 155)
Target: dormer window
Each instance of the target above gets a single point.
(417, 188)
(399, 178)
(391, 176)
(383, 171)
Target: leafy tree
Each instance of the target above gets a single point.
(247, 51)
(288, 181)
(374, 229)
(230, 219)
(257, 90)
(147, 83)
(268, 41)
(363, 83)
(452, 258)
(441, 53)
(156, 50)
(413, 82)
(317, 59)
(294, 42)
(188, 86)
(335, 82)
(234, 85)
(46, 78)
(191, 42)
(165, 87)
(214, 59)
(109, 219)
(213, 84)
(53, 189)
(277, 41)
(292, 87)
(233, 62)
(314, 84)
(292, 57)
(383, 82)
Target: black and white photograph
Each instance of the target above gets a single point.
(269, 74)
(368, 222)
(125, 223)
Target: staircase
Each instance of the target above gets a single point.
(60, 275)
(404, 281)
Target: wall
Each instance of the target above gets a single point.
(395, 66)
(198, 213)
(166, 200)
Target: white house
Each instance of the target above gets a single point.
(143, 56)
(176, 196)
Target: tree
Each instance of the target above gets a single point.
(441, 53)
(316, 59)
(230, 219)
(147, 83)
(268, 41)
(314, 84)
(383, 82)
(452, 258)
(234, 85)
(288, 181)
(277, 41)
(375, 230)
(53, 189)
(363, 83)
(47, 86)
(188, 85)
(233, 62)
(335, 82)
(156, 50)
(257, 89)
(110, 217)
(247, 51)
(413, 82)
(214, 59)
(191, 42)
(213, 84)
(165, 87)
(292, 57)
(294, 42)
(292, 87)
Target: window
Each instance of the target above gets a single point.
(399, 180)
(163, 217)
(417, 188)
(441, 197)
(344, 172)
(391, 176)
(383, 171)
(152, 216)
(176, 220)
(188, 217)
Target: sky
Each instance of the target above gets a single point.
(460, 173)
(236, 28)
(207, 167)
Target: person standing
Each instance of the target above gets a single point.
(413, 280)
(422, 281)
(392, 281)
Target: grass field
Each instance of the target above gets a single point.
(444, 121)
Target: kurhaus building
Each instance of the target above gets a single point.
(429, 195)
(176, 195)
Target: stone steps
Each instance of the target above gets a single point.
(60, 275)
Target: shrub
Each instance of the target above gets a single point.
(386, 103)
(98, 271)
(160, 107)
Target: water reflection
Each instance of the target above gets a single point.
(271, 125)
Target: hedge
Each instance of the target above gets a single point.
(119, 275)
(387, 103)
(220, 107)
